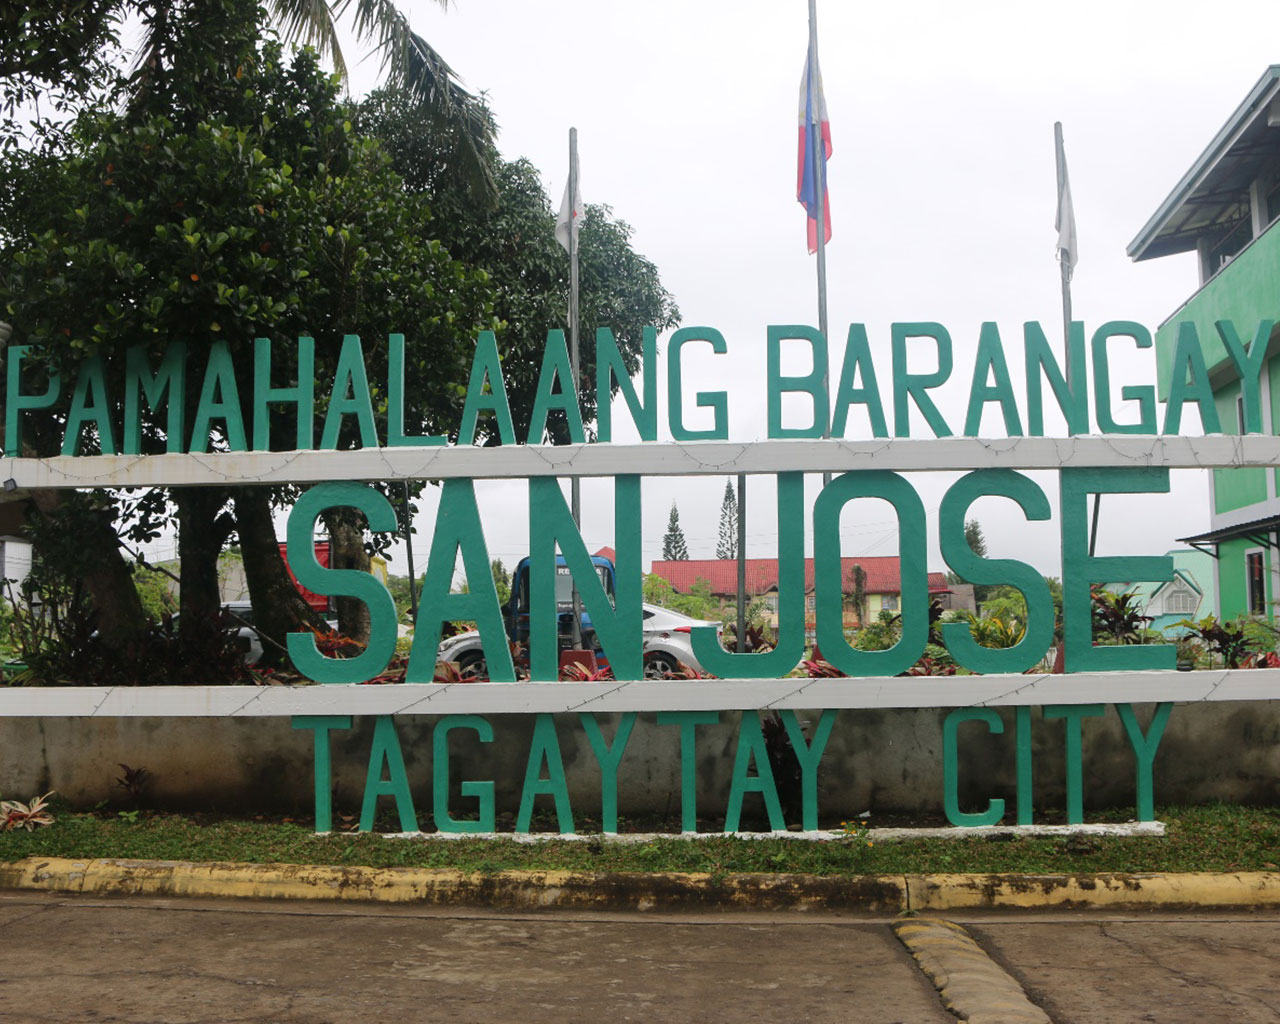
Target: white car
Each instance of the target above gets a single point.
(667, 642)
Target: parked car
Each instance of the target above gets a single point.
(667, 643)
(247, 638)
(668, 640)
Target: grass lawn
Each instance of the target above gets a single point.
(1207, 838)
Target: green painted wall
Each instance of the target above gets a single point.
(1245, 290)
(1231, 577)
(1235, 488)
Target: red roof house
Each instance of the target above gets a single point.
(762, 574)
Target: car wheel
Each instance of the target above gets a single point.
(657, 665)
(473, 666)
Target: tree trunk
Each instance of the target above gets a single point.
(100, 565)
(278, 608)
(203, 529)
(347, 551)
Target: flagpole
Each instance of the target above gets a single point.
(575, 491)
(740, 634)
(1065, 265)
(816, 153)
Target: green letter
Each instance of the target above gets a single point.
(790, 647)
(809, 756)
(751, 746)
(716, 401)
(1144, 395)
(219, 400)
(345, 582)
(1022, 726)
(870, 483)
(857, 359)
(960, 557)
(1144, 751)
(688, 722)
(814, 382)
(610, 366)
(89, 403)
(1190, 380)
(16, 401)
(169, 378)
(458, 529)
(386, 750)
(486, 367)
(917, 384)
(556, 367)
(1080, 570)
(395, 401)
(1040, 359)
(951, 768)
(482, 791)
(1249, 365)
(608, 758)
(1073, 714)
(618, 629)
(545, 748)
(990, 360)
(302, 395)
(350, 376)
(321, 726)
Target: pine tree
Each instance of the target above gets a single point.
(674, 549)
(728, 544)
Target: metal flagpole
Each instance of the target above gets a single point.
(818, 164)
(1067, 256)
(575, 490)
(742, 563)
(408, 544)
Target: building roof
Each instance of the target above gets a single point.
(1258, 530)
(1213, 194)
(882, 572)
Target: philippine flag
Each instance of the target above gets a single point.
(812, 112)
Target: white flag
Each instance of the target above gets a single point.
(570, 215)
(1065, 221)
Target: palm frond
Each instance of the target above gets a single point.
(312, 22)
(416, 70)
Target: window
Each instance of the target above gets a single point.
(889, 602)
(1256, 579)
(810, 601)
(1180, 602)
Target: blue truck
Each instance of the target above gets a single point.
(466, 650)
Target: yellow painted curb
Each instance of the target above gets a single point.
(525, 889)
(1032, 892)
(882, 894)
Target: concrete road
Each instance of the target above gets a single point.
(177, 961)
(78, 959)
(1172, 969)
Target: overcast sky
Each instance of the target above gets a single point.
(941, 182)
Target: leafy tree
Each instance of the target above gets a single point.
(674, 548)
(727, 547)
(513, 240)
(159, 228)
(501, 581)
(978, 544)
(856, 596)
(155, 592)
(58, 45)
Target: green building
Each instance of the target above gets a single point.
(1225, 210)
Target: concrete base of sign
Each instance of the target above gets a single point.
(874, 835)
(880, 761)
